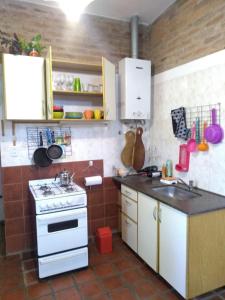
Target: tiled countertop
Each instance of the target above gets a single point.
(206, 202)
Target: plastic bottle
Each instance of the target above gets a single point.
(169, 168)
(163, 171)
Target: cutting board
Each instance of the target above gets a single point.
(127, 153)
(139, 150)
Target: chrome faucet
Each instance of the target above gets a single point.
(189, 185)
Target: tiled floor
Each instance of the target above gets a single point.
(120, 275)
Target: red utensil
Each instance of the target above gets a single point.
(184, 158)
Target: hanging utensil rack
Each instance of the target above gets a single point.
(203, 112)
(33, 138)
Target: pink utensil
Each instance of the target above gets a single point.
(184, 158)
(214, 132)
(191, 144)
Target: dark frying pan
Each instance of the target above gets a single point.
(54, 151)
(40, 154)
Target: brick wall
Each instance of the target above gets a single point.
(189, 29)
(85, 41)
(18, 203)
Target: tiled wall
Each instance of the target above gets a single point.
(18, 204)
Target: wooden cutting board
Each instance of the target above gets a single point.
(139, 150)
(127, 153)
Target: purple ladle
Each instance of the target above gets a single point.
(214, 132)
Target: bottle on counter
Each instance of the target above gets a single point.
(169, 168)
(163, 171)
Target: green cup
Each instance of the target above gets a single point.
(76, 85)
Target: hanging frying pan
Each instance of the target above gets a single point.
(40, 154)
(54, 151)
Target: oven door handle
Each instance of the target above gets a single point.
(44, 261)
(63, 215)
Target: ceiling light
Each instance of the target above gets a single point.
(73, 8)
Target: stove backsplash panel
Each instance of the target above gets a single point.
(103, 209)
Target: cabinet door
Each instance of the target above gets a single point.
(109, 89)
(24, 87)
(129, 232)
(49, 89)
(173, 247)
(148, 230)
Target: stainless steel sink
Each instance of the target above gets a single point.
(175, 192)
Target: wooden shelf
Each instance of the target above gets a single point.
(78, 120)
(72, 93)
(72, 65)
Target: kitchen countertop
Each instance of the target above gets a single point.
(205, 202)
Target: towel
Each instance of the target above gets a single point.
(180, 129)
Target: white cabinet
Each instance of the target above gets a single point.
(129, 232)
(23, 87)
(135, 88)
(129, 216)
(148, 230)
(173, 247)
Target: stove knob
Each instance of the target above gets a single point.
(49, 206)
(55, 204)
(62, 204)
(69, 202)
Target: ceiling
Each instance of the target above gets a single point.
(147, 10)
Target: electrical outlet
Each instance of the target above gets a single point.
(90, 163)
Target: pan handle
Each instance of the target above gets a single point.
(53, 137)
(40, 139)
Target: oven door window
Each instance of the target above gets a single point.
(62, 225)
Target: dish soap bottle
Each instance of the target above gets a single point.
(169, 168)
(163, 171)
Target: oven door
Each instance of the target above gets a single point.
(61, 231)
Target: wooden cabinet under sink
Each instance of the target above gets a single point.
(186, 250)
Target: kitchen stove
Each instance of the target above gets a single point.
(61, 225)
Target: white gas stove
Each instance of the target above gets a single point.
(50, 196)
(61, 225)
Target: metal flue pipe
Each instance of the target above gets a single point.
(134, 36)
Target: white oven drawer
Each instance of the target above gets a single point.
(63, 262)
(132, 194)
(61, 231)
(129, 207)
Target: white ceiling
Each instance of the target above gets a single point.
(147, 10)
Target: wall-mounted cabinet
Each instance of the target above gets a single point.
(135, 88)
(30, 90)
(97, 88)
(23, 87)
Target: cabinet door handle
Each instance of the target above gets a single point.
(139, 68)
(160, 215)
(138, 98)
(43, 108)
(154, 213)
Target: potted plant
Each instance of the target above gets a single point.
(34, 47)
(12, 44)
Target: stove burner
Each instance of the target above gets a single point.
(47, 192)
(44, 187)
(69, 189)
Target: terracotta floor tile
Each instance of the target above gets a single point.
(48, 297)
(132, 276)
(61, 282)
(68, 294)
(104, 270)
(124, 264)
(38, 290)
(146, 289)
(96, 259)
(172, 295)
(10, 282)
(123, 294)
(91, 289)
(18, 294)
(101, 297)
(84, 275)
(113, 282)
(161, 284)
